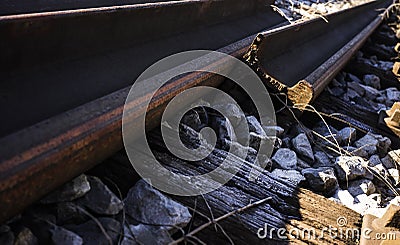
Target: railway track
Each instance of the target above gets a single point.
(51, 152)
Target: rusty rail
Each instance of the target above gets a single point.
(60, 60)
(41, 157)
(301, 59)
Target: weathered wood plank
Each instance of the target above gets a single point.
(357, 115)
(290, 207)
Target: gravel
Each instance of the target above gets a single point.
(347, 135)
(147, 205)
(350, 168)
(292, 176)
(321, 180)
(369, 143)
(72, 190)
(363, 186)
(304, 10)
(302, 147)
(100, 199)
(285, 158)
(25, 237)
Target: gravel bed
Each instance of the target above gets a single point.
(304, 10)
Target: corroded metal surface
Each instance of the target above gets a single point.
(55, 61)
(39, 158)
(312, 52)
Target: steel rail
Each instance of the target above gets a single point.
(41, 157)
(301, 59)
(55, 61)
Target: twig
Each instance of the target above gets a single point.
(97, 222)
(202, 227)
(279, 11)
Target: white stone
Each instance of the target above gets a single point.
(363, 186)
(350, 168)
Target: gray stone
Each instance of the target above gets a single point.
(322, 160)
(346, 135)
(72, 190)
(387, 162)
(91, 233)
(226, 133)
(385, 65)
(285, 158)
(100, 199)
(146, 234)
(269, 142)
(379, 107)
(393, 94)
(255, 126)
(354, 78)
(63, 236)
(389, 103)
(370, 92)
(336, 83)
(193, 119)
(360, 152)
(25, 237)
(7, 237)
(302, 147)
(364, 102)
(70, 213)
(148, 205)
(381, 99)
(286, 142)
(275, 141)
(273, 130)
(232, 112)
(292, 176)
(336, 91)
(363, 186)
(302, 165)
(321, 180)
(383, 144)
(374, 160)
(349, 168)
(372, 81)
(352, 94)
(323, 129)
(4, 229)
(356, 87)
(301, 129)
(369, 143)
(128, 238)
(346, 98)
